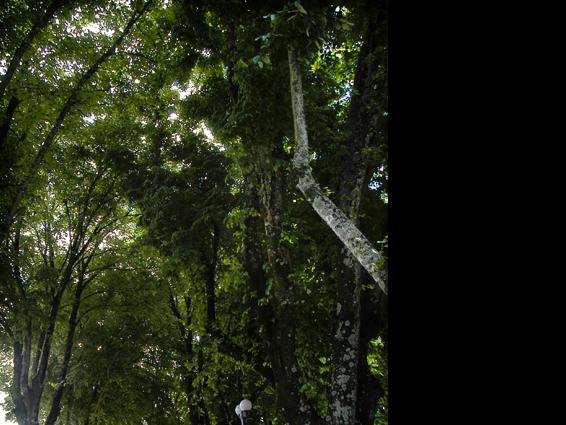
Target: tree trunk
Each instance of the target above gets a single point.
(348, 352)
(211, 281)
(292, 403)
(6, 121)
(288, 402)
(21, 391)
(370, 389)
(253, 260)
(93, 401)
(56, 402)
(188, 354)
(37, 382)
(356, 243)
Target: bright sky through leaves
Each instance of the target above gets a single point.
(3, 420)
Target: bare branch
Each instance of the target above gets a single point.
(340, 224)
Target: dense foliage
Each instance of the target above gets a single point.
(157, 261)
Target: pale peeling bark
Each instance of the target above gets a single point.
(340, 224)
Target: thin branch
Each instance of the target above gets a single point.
(139, 55)
(69, 103)
(6, 326)
(41, 23)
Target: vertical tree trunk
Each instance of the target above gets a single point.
(93, 401)
(188, 354)
(211, 280)
(254, 260)
(21, 391)
(56, 402)
(37, 382)
(273, 319)
(370, 389)
(347, 350)
(6, 121)
(16, 390)
(292, 403)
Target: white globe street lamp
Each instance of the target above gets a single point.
(245, 405)
(242, 408)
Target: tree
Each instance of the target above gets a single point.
(47, 139)
(52, 253)
(160, 263)
(272, 193)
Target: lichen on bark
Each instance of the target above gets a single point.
(341, 225)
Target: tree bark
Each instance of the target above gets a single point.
(287, 396)
(211, 280)
(6, 121)
(20, 389)
(356, 243)
(292, 403)
(198, 413)
(370, 389)
(56, 402)
(93, 401)
(187, 350)
(349, 352)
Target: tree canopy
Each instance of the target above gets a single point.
(193, 211)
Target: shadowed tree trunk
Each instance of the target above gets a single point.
(288, 377)
(349, 351)
(93, 401)
(370, 389)
(72, 325)
(183, 324)
(211, 280)
(28, 380)
(6, 121)
(276, 318)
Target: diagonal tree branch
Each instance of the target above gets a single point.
(41, 23)
(340, 224)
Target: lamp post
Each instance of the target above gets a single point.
(242, 408)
